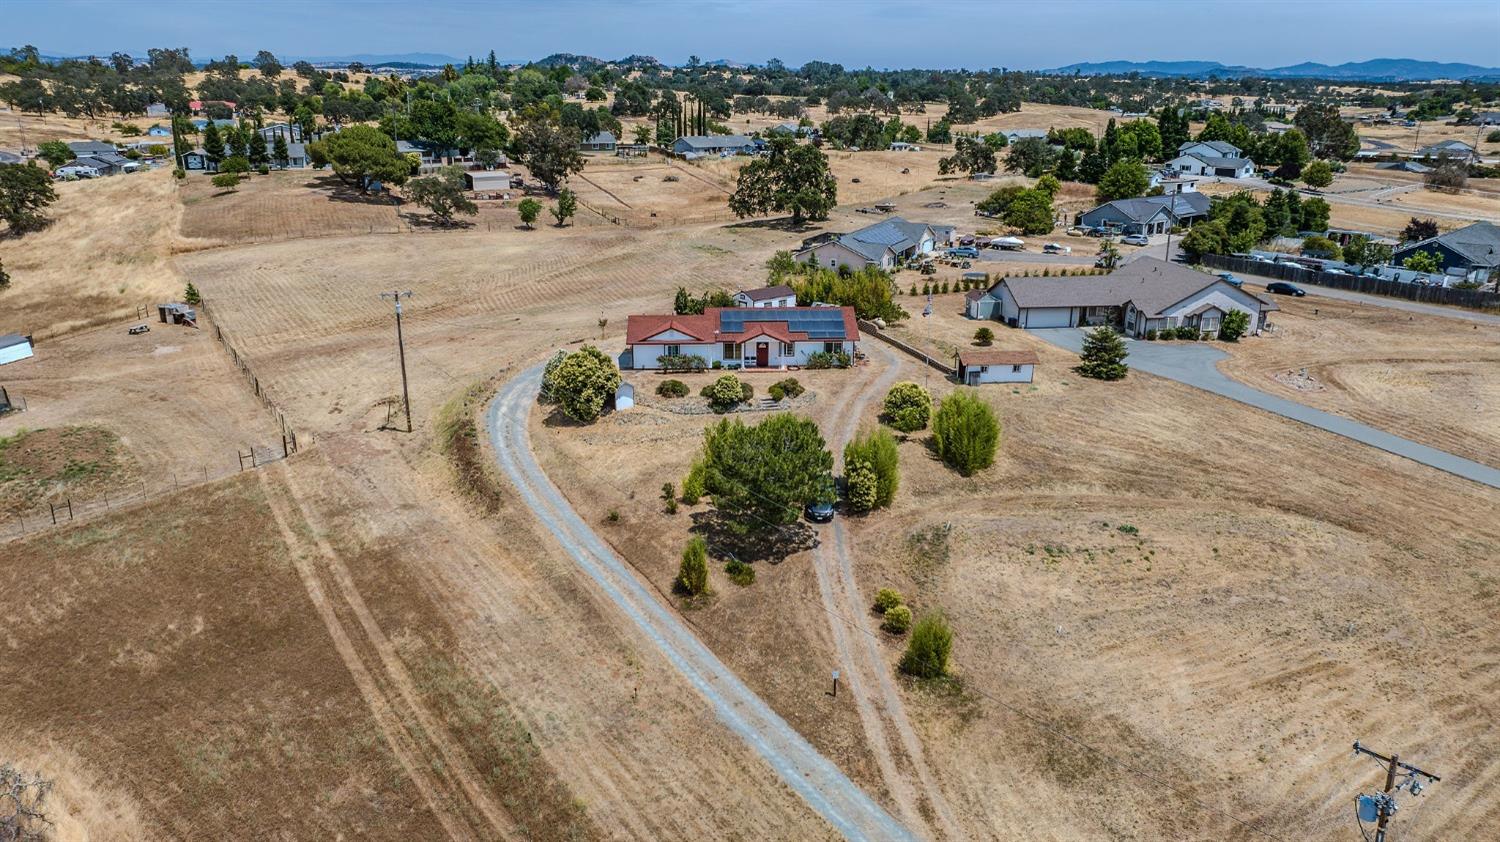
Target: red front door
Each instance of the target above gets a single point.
(762, 354)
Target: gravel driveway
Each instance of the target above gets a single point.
(1194, 364)
(818, 781)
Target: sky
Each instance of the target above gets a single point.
(973, 34)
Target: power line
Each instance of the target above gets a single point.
(1382, 807)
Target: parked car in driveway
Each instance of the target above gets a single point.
(1136, 240)
(819, 512)
(1284, 288)
(963, 251)
(1230, 279)
(1056, 248)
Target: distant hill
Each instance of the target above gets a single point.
(573, 60)
(398, 59)
(1374, 70)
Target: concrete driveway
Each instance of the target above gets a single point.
(1195, 364)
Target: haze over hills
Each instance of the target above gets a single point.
(1373, 70)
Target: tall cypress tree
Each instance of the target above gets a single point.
(213, 144)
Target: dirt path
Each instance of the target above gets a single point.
(859, 645)
(412, 723)
(818, 781)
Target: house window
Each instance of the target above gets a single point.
(787, 349)
(731, 351)
(1015, 369)
(832, 347)
(983, 369)
(674, 351)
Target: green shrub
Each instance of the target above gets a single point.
(681, 362)
(886, 599)
(672, 389)
(581, 383)
(692, 575)
(692, 487)
(614, 515)
(875, 450)
(825, 359)
(897, 620)
(966, 433)
(179, 173)
(1187, 332)
(788, 388)
(740, 573)
(746, 391)
(908, 407)
(1151, 335)
(263, 169)
(927, 652)
(1235, 324)
(984, 336)
(725, 393)
(860, 486)
(226, 181)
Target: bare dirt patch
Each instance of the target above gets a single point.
(38, 466)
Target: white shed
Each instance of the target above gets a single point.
(13, 347)
(985, 366)
(624, 396)
(488, 180)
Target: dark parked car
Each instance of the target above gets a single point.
(1283, 288)
(819, 512)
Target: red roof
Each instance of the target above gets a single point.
(197, 104)
(705, 328)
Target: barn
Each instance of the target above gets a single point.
(14, 347)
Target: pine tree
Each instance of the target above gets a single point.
(1103, 356)
(1093, 167)
(1067, 166)
(1110, 142)
(279, 151)
(213, 143)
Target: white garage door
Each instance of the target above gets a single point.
(1049, 317)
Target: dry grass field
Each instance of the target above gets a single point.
(1278, 593)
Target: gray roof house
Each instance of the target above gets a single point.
(779, 295)
(1145, 294)
(1472, 252)
(884, 245)
(1013, 135)
(90, 147)
(718, 144)
(601, 142)
(1149, 214)
(1487, 118)
(1202, 164)
(1212, 148)
(1450, 148)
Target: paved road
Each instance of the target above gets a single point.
(9, 157)
(1194, 364)
(820, 783)
(1391, 302)
(1001, 256)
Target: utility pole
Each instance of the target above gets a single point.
(401, 349)
(1383, 806)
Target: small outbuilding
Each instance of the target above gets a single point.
(14, 347)
(992, 366)
(488, 179)
(177, 313)
(624, 397)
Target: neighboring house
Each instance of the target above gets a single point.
(1278, 128)
(719, 144)
(1471, 253)
(201, 123)
(795, 130)
(903, 146)
(1212, 165)
(1487, 118)
(1210, 148)
(101, 163)
(762, 337)
(780, 295)
(1171, 184)
(488, 180)
(159, 130)
(80, 148)
(158, 109)
(991, 366)
(601, 142)
(197, 106)
(1013, 135)
(1404, 166)
(1143, 295)
(291, 131)
(885, 245)
(1149, 214)
(296, 155)
(1454, 149)
(13, 347)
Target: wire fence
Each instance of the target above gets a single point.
(288, 434)
(62, 510)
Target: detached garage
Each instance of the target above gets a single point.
(488, 180)
(975, 367)
(13, 347)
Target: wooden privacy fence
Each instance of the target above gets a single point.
(1471, 298)
(870, 328)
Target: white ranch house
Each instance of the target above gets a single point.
(1143, 295)
(748, 337)
(885, 244)
(1211, 158)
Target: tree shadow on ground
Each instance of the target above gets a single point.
(773, 547)
(338, 191)
(780, 223)
(434, 223)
